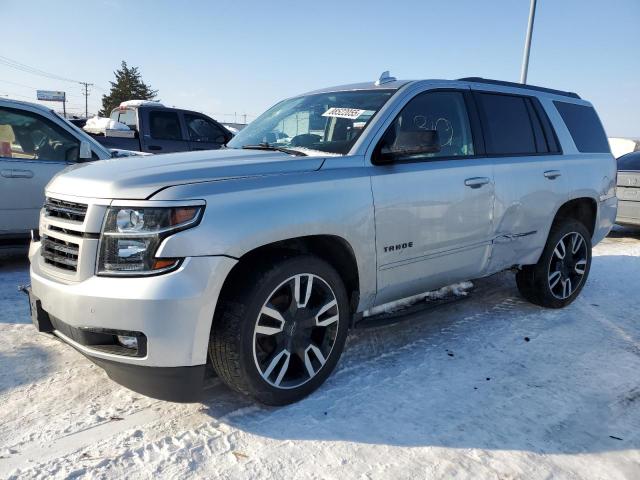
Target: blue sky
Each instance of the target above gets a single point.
(242, 56)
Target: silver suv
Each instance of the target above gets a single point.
(261, 256)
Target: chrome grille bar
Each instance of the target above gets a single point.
(65, 210)
(59, 253)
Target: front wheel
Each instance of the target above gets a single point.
(279, 335)
(560, 274)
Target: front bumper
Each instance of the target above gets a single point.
(174, 311)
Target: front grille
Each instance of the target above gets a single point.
(65, 210)
(66, 231)
(59, 253)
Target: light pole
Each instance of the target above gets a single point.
(527, 43)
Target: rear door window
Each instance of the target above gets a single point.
(630, 161)
(584, 126)
(507, 125)
(165, 125)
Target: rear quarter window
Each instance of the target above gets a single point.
(584, 126)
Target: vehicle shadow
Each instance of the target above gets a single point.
(619, 231)
(14, 306)
(23, 361)
(22, 365)
(492, 372)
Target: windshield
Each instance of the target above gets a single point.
(325, 122)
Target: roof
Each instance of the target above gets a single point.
(21, 103)
(524, 86)
(394, 85)
(397, 84)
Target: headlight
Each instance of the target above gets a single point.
(131, 236)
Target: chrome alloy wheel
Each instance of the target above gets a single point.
(568, 265)
(295, 331)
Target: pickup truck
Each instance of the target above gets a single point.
(258, 258)
(154, 128)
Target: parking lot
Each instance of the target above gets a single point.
(489, 386)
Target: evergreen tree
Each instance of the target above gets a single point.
(128, 86)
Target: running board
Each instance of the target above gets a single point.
(411, 312)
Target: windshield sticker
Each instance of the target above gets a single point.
(350, 113)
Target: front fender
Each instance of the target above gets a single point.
(244, 214)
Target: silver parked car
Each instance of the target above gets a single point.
(35, 144)
(629, 189)
(261, 256)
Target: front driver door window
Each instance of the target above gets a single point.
(432, 227)
(203, 133)
(444, 114)
(32, 150)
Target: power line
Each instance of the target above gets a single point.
(17, 84)
(35, 71)
(72, 96)
(8, 62)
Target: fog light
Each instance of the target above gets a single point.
(128, 342)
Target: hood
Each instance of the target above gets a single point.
(139, 177)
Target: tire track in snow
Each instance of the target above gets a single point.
(178, 417)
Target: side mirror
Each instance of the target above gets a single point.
(414, 142)
(85, 150)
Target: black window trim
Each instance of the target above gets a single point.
(550, 134)
(533, 100)
(477, 136)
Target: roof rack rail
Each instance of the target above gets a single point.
(519, 85)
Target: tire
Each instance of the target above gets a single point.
(274, 337)
(555, 281)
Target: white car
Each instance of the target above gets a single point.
(35, 144)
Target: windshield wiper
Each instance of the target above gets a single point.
(267, 146)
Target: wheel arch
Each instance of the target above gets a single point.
(582, 209)
(333, 249)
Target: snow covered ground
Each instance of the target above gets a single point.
(486, 387)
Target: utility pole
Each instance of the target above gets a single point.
(527, 43)
(86, 86)
(64, 105)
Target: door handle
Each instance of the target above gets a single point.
(154, 147)
(476, 182)
(21, 173)
(17, 173)
(552, 174)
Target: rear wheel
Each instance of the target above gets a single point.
(280, 338)
(560, 274)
